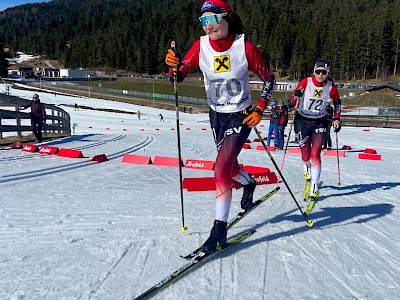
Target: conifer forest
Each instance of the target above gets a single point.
(360, 37)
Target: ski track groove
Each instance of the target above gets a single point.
(166, 177)
(104, 142)
(264, 288)
(332, 274)
(389, 261)
(72, 166)
(100, 282)
(377, 245)
(235, 278)
(145, 258)
(32, 156)
(221, 271)
(149, 245)
(16, 158)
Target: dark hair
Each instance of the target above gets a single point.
(235, 23)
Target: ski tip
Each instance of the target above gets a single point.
(277, 188)
(310, 223)
(184, 229)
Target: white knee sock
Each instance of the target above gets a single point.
(222, 210)
(315, 173)
(243, 177)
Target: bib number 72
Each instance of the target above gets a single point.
(315, 104)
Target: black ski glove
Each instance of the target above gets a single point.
(337, 127)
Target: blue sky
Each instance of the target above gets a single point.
(4, 4)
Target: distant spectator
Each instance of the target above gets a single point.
(272, 123)
(161, 117)
(76, 107)
(281, 122)
(138, 114)
(75, 125)
(38, 116)
(184, 109)
(190, 110)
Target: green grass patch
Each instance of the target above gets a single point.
(192, 87)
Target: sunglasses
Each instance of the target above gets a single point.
(211, 19)
(323, 72)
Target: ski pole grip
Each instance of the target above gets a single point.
(298, 93)
(175, 69)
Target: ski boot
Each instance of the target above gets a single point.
(217, 239)
(247, 198)
(313, 198)
(314, 190)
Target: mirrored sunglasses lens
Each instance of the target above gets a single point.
(212, 19)
(323, 72)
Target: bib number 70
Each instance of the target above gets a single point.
(232, 86)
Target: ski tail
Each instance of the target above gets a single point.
(256, 203)
(200, 259)
(310, 207)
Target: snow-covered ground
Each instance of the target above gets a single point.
(73, 229)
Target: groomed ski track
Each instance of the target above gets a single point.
(73, 229)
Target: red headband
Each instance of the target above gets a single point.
(220, 3)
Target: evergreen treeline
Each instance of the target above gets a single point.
(360, 37)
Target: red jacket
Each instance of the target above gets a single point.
(334, 95)
(254, 59)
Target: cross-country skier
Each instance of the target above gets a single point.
(224, 55)
(310, 98)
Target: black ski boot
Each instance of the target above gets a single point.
(247, 198)
(217, 239)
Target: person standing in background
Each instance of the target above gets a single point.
(272, 123)
(38, 116)
(281, 122)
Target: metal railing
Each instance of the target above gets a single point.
(387, 121)
(371, 121)
(145, 95)
(57, 119)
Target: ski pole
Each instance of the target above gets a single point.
(298, 94)
(337, 155)
(286, 146)
(310, 223)
(175, 73)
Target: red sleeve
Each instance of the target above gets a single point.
(257, 64)
(301, 86)
(189, 61)
(337, 103)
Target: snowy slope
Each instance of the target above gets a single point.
(73, 229)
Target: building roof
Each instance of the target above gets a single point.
(19, 67)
